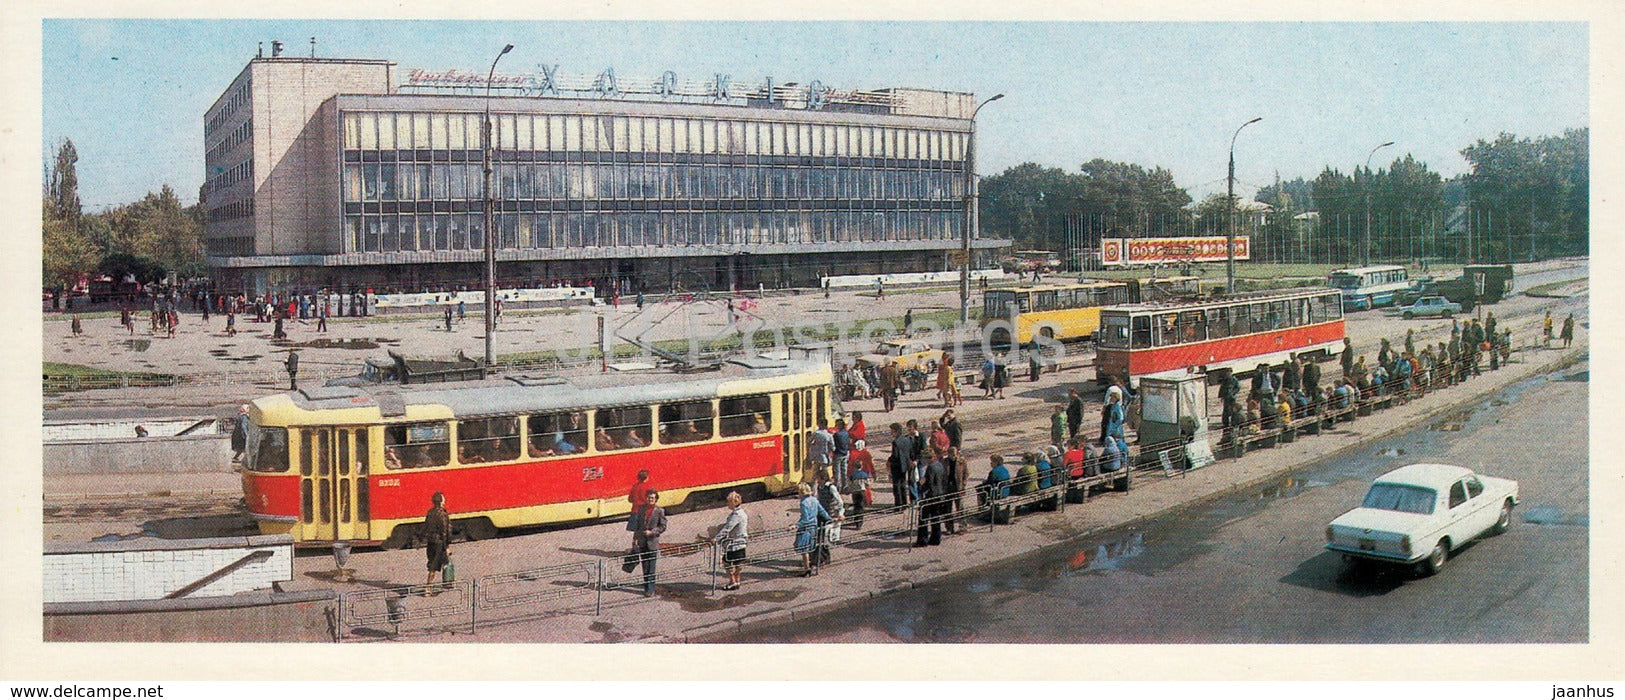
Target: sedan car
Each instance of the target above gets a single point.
(1431, 306)
(1418, 515)
(906, 354)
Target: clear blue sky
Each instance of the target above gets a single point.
(132, 93)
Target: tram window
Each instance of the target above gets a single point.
(1167, 329)
(745, 415)
(689, 421)
(1113, 331)
(1334, 307)
(1218, 322)
(1278, 318)
(553, 434)
(268, 450)
(488, 440)
(307, 507)
(1260, 317)
(362, 454)
(307, 451)
(1192, 326)
(1141, 335)
(363, 509)
(1300, 311)
(621, 428)
(417, 445)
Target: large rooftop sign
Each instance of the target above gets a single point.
(721, 88)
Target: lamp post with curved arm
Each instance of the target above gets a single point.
(1365, 248)
(970, 213)
(1230, 214)
(490, 216)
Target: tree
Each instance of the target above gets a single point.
(143, 270)
(66, 254)
(63, 198)
(1033, 204)
(1531, 193)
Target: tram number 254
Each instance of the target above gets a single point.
(591, 473)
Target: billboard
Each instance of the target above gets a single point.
(1151, 251)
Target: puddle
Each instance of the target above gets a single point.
(1394, 452)
(1109, 556)
(112, 537)
(1453, 421)
(338, 343)
(1291, 487)
(1584, 376)
(1551, 515)
(701, 601)
(137, 345)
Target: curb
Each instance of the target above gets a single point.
(773, 617)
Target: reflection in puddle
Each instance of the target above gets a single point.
(1109, 556)
(703, 600)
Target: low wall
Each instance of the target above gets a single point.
(186, 453)
(302, 616)
(912, 279)
(149, 569)
(474, 301)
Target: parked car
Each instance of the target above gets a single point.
(906, 354)
(1431, 306)
(1417, 515)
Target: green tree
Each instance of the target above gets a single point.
(1530, 196)
(63, 196)
(66, 254)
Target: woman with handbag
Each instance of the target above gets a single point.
(811, 512)
(731, 538)
(437, 532)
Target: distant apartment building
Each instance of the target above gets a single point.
(347, 173)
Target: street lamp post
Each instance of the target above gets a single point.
(490, 216)
(970, 213)
(1230, 214)
(1365, 247)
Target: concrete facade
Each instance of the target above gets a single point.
(147, 569)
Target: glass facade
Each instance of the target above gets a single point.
(412, 181)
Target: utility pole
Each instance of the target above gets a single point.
(1230, 214)
(1365, 254)
(970, 213)
(490, 217)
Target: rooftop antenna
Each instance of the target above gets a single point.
(261, 52)
(276, 48)
(313, 47)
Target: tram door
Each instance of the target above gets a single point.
(333, 467)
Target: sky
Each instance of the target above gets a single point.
(131, 94)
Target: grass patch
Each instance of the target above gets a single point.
(61, 377)
(1544, 289)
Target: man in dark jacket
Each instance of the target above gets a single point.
(437, 533)
(950, 425)
(900, 463)
(292, 365)
(934, 487)
(1074, 413)
(1348, 358)
(1311, 376)
(646, 540)
(1292, 374)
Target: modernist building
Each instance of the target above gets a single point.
(343, 173)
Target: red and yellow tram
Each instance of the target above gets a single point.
(360, 464)
(1237, 333)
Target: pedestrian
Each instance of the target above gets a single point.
(231, 323)
(996, 485)
(988, 369)
(880, 289)
(1057, 426)
(140, 431)
(646, 539)
(1546, 330)
(1568, 331)
(908, 322)
(945, 380)
(640, 301)
(829, 533)
(731, 539)
(1347, 357)
(888, 386)
(462, 310)
(900, 464)
(448, 319)
(239, 433)
(437, 537)
(1074, 412)
(958, 478)
(638, 496)
(276, 329)
(292, 365)
(321, 319)
(811, 513)
(934, 491)
(950, 425)
(1034, 367)
(821, 447)
(842, 439)
(1311, 373)
(1113, 416)
(1410, 339)
(860, 471)
(1001, 379)
(859, 431)
(75, 326)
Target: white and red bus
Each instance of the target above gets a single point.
(1237, 332)
(360, 464)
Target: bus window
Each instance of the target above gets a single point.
(996, 304)
(553, 434)
(488, 440)
(1141, 334)
(1192, 326)
(417, 445)
(621, 428)
(268, 450)
(1218, 323)
(1113, 331)
(745, 415)
(689, 421)
(1045, 301)
(1023, 302)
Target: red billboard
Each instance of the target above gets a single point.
(1151, 251)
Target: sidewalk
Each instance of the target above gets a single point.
(687, 609)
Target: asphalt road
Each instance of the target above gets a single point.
(1251, 568)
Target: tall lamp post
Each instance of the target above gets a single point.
(970, 213)
(1365, 247)
(1230, 214)
(490, 216)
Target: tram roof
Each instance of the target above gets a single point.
(1366, 269)
(1264, 295)
(526, 393)
(1091, 284)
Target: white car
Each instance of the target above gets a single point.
(1418, 515)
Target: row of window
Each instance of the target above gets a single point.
(1160, 329)
(465, 231)
(373, 182)
(1346, 280)
(225, 177)
(237, 137)
(508, 438)
(234, 210)
(237, 100)
(601, 133)
(996, 304)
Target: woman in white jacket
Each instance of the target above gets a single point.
(731, 538)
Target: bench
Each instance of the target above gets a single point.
(1078, 487)
(1002, 509)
